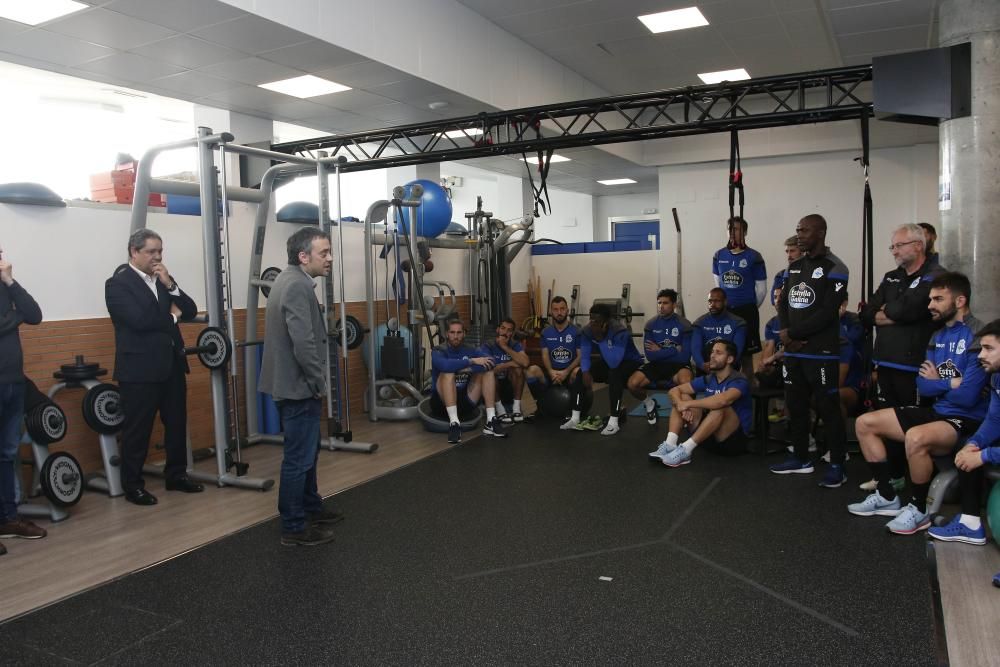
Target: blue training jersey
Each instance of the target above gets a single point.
(851, 338)
(988, 435)
(735, 380)
(616, 346)
(772, 331)
(738, 274)
(448, 359)
(673, 336)
(562, 345)
(779, 281)
(499, 356)
(951, 351)
(708, 328)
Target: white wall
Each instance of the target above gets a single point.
(571, 220)
(779, 192)
(613, 206)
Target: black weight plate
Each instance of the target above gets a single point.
(52, 421)
(33, 425)
(269, 274)
(62, 479)
(355, 332)
(102, 408)
(216, 339)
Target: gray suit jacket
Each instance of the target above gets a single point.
(295, 340)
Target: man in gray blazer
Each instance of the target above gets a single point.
(294, 374)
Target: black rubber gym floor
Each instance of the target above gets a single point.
(544, 548)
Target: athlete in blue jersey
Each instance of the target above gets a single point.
(667, 342)
(982, 447)
(618, 360)
(560, 355)
(460, 376)
(511, 361)
(740, 271)
(721, 421)
(769, 376)
(950, 374)
(851, 362)
(717, 324)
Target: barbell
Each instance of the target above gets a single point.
(212, 348)
(61, 479)
(45, 423)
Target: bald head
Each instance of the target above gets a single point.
(811, 233)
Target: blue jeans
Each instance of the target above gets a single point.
(297, 494)
(11, 415)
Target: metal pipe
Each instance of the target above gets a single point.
(191, 189)
(345, 417)
(376, 211)
(271, 155)
(326, 287)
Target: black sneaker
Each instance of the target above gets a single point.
(310, 537)
(495, 428)
(506, 419)
(517, 417)
(455, 433)
(653, 415)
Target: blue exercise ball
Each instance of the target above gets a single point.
(434, 213)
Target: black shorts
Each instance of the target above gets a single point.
(734, 445)
(466, 408)
(913, 415)
(662, 371)
(750, 313)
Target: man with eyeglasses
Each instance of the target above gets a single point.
(903, 325)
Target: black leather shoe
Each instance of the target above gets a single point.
(140, 497)
(3, 550)
(325, 517)
(184, 484)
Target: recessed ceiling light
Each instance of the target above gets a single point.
(555, 158)
(617, 181)
(305, 86)
(678, 19)
(725, 75)
(38, 11)
(467, 133)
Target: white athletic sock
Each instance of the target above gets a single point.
(575, 416)
(649, 404)
(501, 410)
(971, 522)
(517, 405)
(689, 445)
(612, 422)
(452, 413)
(672, 439)
(490, 414)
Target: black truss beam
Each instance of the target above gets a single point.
(808, 97)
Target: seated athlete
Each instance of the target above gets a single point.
(461, 375)
(769, 374)
(721, 421)
(717, 324)
(982, 447)
(851, 361)
(511, 360)
(952, 375)
(560, 348)
(618, 353)
(667, 343)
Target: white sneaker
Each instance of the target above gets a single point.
(847, 457)
(661, 451)
(910, 520)
(610, 430)
(875, 504)
(570, 425)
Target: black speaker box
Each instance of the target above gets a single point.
(923, 86)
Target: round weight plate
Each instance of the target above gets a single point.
(355, 332)
(102, 408)
(269, 274)
(53, 422)
(61, 479)
(219, 351)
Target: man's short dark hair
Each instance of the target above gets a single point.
(718, 290)
(603, 311)
(137, 239)
(817, 218)
(669, 293)
(509, 321)
(956, 283)
(558, 299)
(301, 241)
(454, 320)
(991, 329)
(928, 227)
(730, 348)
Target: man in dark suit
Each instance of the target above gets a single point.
(146, 304)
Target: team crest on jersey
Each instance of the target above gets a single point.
(801, 296)
(727, 330)
(916, 281)
(675, 332)
(948, 370)
(743, 264)
(818, 272)
(732, 279)
(960, 348)
(569, 338)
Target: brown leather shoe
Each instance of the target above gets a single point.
(22, 528)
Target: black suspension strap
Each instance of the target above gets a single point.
(541, 193)
(735, 174)
(867, 264)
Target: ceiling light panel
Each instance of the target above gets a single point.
(305, 86)
(555, 158)
(617, 181)
(34, 12)
(725, 75)
(678, 19)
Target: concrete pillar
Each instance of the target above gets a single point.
(970, 156)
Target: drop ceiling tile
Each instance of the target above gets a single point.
(351, 100)
(897, 39)
(8, 28)
(298, 109)
(882, 16)
(408, 89)
(50, 47)
(193, 84)
(251, 34)
(100, 26)
(180, 15)
(131, 67)
(251, 71)
(250, 97)
(341, 120)
(735, 10)
(312, 56)
(366, 75)
(187, 51)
